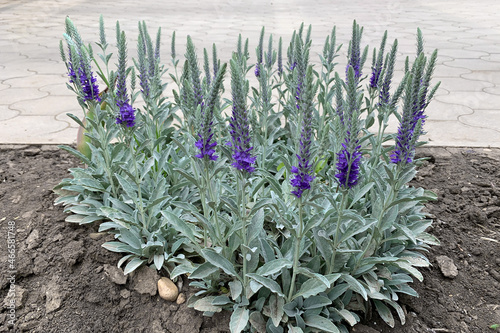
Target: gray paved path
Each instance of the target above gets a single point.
(466, 110)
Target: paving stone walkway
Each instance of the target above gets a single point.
(466, 110)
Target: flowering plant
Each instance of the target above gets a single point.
(282, 205)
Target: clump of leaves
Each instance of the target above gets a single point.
(279, 203)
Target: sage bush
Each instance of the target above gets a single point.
(286, 203)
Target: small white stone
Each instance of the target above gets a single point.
(96, 235)
(167, 289)
(180, 299)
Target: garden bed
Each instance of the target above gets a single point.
(64, 282)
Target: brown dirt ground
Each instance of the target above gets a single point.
(62, 284)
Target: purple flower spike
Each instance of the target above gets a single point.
(301, 181)
(206, 147)
(402, 153)
(384, 92)
(303, 174)
(257, 69)
(408, 134)
(127, 115)
(205, 144)
(127, 112)
(89, 86)
(121, 91)
(239, 126)
(374, 79)
(357, 73)
(355, 59)
(298, 94)
(243, 160)
(71, 73)
(280, 59)
(413, 119)
(348, 166)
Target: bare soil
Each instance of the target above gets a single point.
(62, 280)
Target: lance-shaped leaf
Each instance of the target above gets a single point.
(205, 305)
(239, 320)
(255, 228)
(310, 288)
(267, 282)
(321, 323)
(274, 266)
(219, 261)
(316, 302)
(355, 285)
(384, 312)
(181, 226)
(257, 321)
(276, 304)
(203, 271)
(132, 265)
(236, 288)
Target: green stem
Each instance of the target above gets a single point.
(296, 252)
(380, 133)
(323, 123)
(377, 151)
(337, 231)
(104, 78)
(264, 114)
(206, 214)
(243, 216)
(107, 159)
(138, 183)
(213, 199)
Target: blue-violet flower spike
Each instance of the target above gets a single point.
(239, 123)
(127, 115)
(303, 174)
(89, 86)
(348, 166)
(206, 147)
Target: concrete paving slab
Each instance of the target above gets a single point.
(58, 89)
(486, 76)
(33, 96)
(11, 71)
(474, 64)
(461, 53)
(463, 84)
(36, 81)
(4, 86)
(483, 46)
(448, 71)
(477, 119)
(11, 57)
(457, 134)
(32, 129)
(492, 57)
(49, 105)
(13, 95)
(474, 100)
(6, 113)
(494, 90)
(446, 112)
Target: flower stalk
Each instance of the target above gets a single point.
(349, 157)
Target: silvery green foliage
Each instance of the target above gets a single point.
(278, 262)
